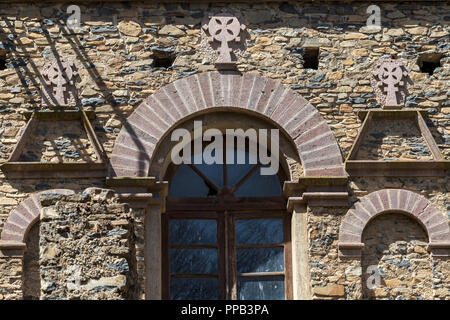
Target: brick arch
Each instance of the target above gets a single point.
(394, 200)
(158, 114)
(24, 216)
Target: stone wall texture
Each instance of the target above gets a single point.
(88, 239)
(125, 52)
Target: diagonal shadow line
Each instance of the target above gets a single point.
(92, 72)
(22, 64)
(97, 78)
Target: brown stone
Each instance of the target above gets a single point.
(129, 28)
(332, 290)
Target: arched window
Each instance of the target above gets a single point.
(226, 232)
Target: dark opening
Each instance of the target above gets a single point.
(311, 58)
(2, 60)
(162, 59)
(429, 62)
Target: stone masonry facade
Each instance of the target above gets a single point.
(143, 70)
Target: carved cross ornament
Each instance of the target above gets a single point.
(223, 34)
(58, 87)
(389, 79)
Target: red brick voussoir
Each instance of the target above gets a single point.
(395, 200)
(23, 217)
(245, 92)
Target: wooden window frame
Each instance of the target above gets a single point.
(225, 208)
(227, 248)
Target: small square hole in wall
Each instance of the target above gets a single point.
(311, 58)
(2, 59)
(163, 59)
(428, 62)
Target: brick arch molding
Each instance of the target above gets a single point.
(395, 200)
(24, 216)
(159, 113)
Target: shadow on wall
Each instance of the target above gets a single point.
(395, 247)
(31, 269)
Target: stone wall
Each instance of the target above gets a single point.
(87, 238)
(120, 51)
(117, 47)
(395, 252)
(10, 277)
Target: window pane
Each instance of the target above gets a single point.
(193, 261)
(259, 231)
(261, 288)
(186, 183)
(258, 185)
(214, 172)
(236, 171)
(260, 260)
(194, 289)
(193, 231)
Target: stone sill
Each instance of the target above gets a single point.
(37, 170)
(397, 168)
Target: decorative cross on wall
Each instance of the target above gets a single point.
(58, 87)
(221, 32)
(389, 82)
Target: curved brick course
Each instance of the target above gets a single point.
(24, 216)
(316, 144)
(394, 200)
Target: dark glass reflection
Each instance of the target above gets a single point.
(260, 260)
(237, 171)
(186, 183)
(193, 231)
(261, 288)
(259, 231)
(258, 185)
(194, 289)
(194, 261)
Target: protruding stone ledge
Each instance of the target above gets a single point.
(437, 166)
(439, 249)
(14, 168)
(318, 191)
(12, 249)
(293, 201)
(139, 192)
(350, 250)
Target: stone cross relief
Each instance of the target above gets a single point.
(225, 35)
(389, 79)
(58, 87)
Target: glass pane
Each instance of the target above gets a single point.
(236, 171)
(194, 261)
(186, 183)
(258, 185)
(261, 288)
(193, 231)
(194, 289)
(260, 260)
(214, 171)
(259, 231)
